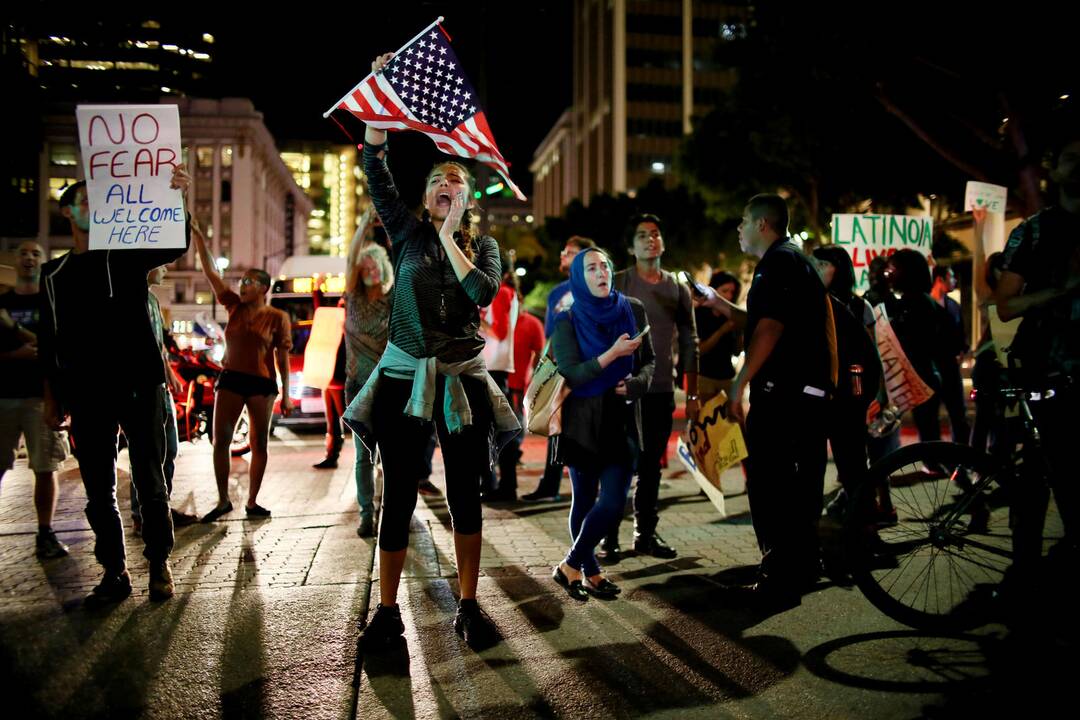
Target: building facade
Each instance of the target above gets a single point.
(643, 70)
(242, 194)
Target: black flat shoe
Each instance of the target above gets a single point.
(216, 513)
(573, 588)
(604, 590)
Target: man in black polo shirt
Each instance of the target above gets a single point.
(790, 371)
(1041, 283)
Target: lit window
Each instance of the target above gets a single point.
(63, 155)
(208, 38)
(203, 298)
(226, 155)
(93, 64)
(152, 25)
(121, 65)
(204, 155)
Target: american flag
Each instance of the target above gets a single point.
(424, 88)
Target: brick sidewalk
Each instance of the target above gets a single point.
(263, 624)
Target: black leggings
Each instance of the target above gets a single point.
(403, 441)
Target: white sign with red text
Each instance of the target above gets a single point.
(867, 236)
(129, 152)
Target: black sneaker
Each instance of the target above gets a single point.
(111, 589)
(384, 629)
(48, 546)
(475, 626)
(327, 463)
(653, 545)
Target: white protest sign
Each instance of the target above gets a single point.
(905, 388)
(129, 152)
(865, 237)
(984, 196)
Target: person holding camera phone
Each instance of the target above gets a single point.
(608, 363)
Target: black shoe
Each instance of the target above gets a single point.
(654, 545)
(609, 551)
(475, 627)
(183, 519)
(257, 511)
(538, 496)
(573, 588)
(112, 589)
(605, 589)
(216, 513)
(366, 528)
(762, 596)
(384, 629)
(501, 496)
(327, 463)
(48, 546)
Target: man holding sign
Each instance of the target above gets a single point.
(96, 333)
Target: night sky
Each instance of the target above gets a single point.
(294, 68)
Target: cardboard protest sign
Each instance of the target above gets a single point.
(984, 196)
(868, 236)
(713, 492)
(712, 445)
(129, 152)
(320, 354)
(905, 388)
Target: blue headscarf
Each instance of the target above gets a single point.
(598, 322)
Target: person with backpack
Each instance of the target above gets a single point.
(859, 371)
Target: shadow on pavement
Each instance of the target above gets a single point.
(243, 657)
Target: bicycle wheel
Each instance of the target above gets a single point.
(935, 563)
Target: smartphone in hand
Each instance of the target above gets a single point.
(642, 333)
(695, 287)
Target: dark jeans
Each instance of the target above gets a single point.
(1059, 428)
(951, 393)
(847, 438)
(168, 468)
(402, 442)
(591, 517)
(786, 440)
(656, 420)
(552, 477)
(140, 413)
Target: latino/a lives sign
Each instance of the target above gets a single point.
(129, 153)
(866, 237)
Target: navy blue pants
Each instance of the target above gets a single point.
(591, 517)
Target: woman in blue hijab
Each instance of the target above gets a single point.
(607, 360)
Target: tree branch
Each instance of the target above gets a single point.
(923, 135)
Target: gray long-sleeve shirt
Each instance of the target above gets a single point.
(670, 310)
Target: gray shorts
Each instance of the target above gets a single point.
(26, 416)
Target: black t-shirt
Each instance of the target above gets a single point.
(716, 363)
(787, 288)
(20, 378)
(1045, 251)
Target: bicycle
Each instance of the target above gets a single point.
(932, 551)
